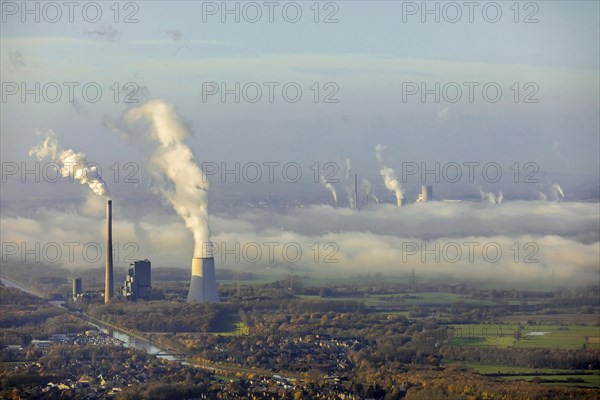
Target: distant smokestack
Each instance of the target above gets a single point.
(356, 191)
(108, 277)
(203, 284)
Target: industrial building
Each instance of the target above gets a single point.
(77, 288)
(426, 194)
(138, 282)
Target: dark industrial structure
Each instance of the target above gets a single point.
(138, 282)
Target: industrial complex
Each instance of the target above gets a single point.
(138, 281)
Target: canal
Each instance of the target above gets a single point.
(128, 341)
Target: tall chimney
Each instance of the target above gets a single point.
(356, 191)
(108, 277)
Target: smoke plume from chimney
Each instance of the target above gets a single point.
(367, 187)
(557, 192)
(389, 176)
(330, 187)
(70, 163)
(490, 197)
(178, 179)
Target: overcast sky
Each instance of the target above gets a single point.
(361, 68)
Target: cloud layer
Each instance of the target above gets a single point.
(455, 240)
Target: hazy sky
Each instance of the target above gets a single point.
(361, 76)
(369, 53)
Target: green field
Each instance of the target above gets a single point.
(532, 336)
(238, 328)
(561, 377)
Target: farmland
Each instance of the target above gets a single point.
(549, 336)
(541, 375)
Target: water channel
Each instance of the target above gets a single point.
(127, 340)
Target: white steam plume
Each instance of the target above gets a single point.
(557, 192)
(71, 164)
(389, 176)
(542, 196)
(490, 197)
(367, 187)
(330, 187)
(180, 181)
(349, 189)
(500, 197)
(350, 193)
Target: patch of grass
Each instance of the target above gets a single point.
(532, 336)
(558, 376)
(237, 328)
(222, 378)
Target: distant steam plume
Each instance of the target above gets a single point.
(179, 180)
(350, 193)
(330, 187)
(557, 192)
(71, 164)
(490, 197)
(367, 187)
(389, 176)
(349, 189)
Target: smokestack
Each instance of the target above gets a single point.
(356, 191)
(203, 284)
(108, 277)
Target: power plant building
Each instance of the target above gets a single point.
(77, 288)
(138, 282)
(426, 194)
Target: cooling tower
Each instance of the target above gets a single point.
(203, 285)
(108, 276)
